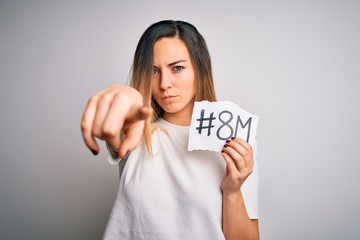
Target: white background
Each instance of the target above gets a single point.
(294, 63)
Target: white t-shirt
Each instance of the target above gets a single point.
(175, 194)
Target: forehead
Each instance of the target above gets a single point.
(170, 49)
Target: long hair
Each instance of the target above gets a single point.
(142, 68)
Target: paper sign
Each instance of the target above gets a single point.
(212, 123)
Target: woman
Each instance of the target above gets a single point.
(166, 192)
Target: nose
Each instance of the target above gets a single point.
(165, 80)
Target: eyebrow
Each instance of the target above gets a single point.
(176, 62)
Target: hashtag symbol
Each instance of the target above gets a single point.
(201, 122)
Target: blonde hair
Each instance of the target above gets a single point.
(141, 71)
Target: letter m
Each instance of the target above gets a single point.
(243, 126)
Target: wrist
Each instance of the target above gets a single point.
(233, 196)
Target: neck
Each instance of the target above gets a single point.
(180, 119)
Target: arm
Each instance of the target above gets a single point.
(237, 225)
(109, 112)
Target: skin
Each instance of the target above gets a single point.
(111, 111)
(173, 85)
(120, 108)
(238, 155)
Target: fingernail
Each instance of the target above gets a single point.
(126, 154)
(223, 151)
(225, 145)
(94, 152)
(227, 141)
(232, 138)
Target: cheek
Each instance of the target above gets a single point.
(153, 87)
(192, 80)
(188, 81)
(193, 85)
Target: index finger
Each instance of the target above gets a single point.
(243, 143)
(142, 114)
(122, 116)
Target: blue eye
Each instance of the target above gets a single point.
(155, 70)
(178, 68)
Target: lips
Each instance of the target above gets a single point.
(168, 97)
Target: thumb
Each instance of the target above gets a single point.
(132, 138)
